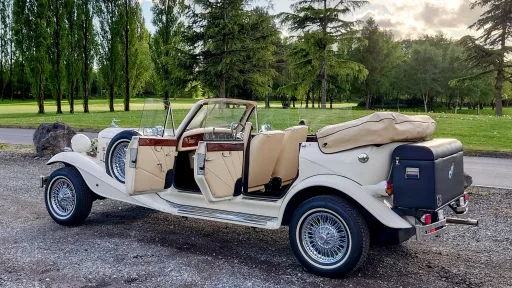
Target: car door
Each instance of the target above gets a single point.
(218, 168)
(150, 163)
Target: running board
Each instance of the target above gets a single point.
(256, 220)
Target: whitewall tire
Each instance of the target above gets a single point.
(68, 199)
(329, 236)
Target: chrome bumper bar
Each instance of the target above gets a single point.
(423, 231)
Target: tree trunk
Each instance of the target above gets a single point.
(40, 93)
(111, 96)
(324, 59)
(10, 58)
(85, 80)
(222, 92)
(71, 99)
(499, 92)
(313, 100)
(425, 102)
(22, 80)
(307, 99)
(58, 56)
(166, 95)
(267, 102)
(368, 101)
(126, 61)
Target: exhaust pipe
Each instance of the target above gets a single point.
(471, 222)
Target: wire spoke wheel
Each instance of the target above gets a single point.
(119, 159)
(324, 238)
(62, 197)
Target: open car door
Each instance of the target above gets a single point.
(218, 168)
(150, 158)
(150, 163)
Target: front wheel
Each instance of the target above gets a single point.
(329, 236)
(115, 156)
(67, 197)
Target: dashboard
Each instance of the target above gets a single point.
(191, 138)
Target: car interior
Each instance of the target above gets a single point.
(270, 162)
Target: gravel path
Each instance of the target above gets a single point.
(122, 245)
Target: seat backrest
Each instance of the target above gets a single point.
(263, 152)
(287, 162)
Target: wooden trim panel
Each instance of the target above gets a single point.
(213, 147)
(311, 138)
(157, 142)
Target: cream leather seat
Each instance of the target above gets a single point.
(264, 150)
(287, 163)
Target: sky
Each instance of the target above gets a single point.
(405, 18)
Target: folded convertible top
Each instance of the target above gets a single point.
(377, 128)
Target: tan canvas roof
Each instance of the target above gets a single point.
(377, 128)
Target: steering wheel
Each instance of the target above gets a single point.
(234, 127)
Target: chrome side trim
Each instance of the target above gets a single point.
(423, 231)
(260, 199)
(257, 220)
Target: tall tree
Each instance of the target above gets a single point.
(489, 52)
(57, 31)
(107, 12)
(129, 13)
(140, 66)
(235, 47)
(38, 41)
(424, 71)
(21, 31)
(323, 17)
(4, 40)
(86, 38)
(72, 52)
(381, 56)
(167, 45)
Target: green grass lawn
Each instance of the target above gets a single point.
(476, 132)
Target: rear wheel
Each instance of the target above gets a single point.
(329, 236)
(115, 156)
(67, 197)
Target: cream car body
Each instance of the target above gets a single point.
(204, 171)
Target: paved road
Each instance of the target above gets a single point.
(485, 171)
(489, 171)
(24, 136)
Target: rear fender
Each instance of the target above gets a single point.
(353, 190)
(95, 176)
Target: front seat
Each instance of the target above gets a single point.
(263, 151)
(287, 163)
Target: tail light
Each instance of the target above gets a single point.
(389, 188)
(427, 220)
(466, 197)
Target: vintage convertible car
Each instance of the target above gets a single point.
(375, 178)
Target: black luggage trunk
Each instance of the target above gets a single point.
(427, 175)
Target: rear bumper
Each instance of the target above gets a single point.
(460, 207)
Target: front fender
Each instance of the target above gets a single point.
(95, 176)
(378, 209)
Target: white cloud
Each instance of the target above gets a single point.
(413, 18)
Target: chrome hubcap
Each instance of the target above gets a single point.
(62, 197)
(324, 238)
(119, 159)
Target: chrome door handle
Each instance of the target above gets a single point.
(209, 159)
